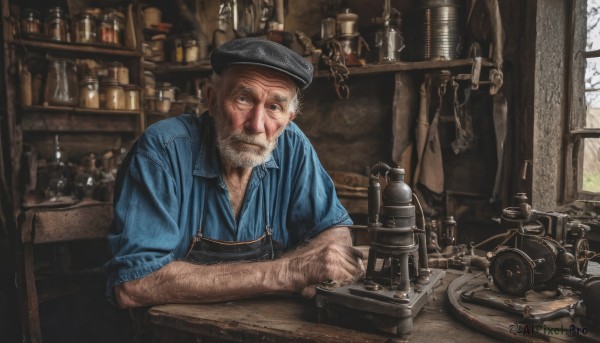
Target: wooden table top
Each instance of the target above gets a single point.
(287, 318)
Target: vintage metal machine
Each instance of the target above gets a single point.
(539, 268)
(538, 249)
(398, 280)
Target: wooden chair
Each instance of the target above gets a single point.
(83, 221)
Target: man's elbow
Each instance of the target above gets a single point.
(125, 295)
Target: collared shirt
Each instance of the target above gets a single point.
(170, 185)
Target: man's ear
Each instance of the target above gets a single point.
(292, 116)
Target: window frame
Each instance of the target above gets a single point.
(576, 132)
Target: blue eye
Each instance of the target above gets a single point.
(276, 108)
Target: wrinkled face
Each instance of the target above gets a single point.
(251, 108)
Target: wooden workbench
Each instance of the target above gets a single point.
(286, 318)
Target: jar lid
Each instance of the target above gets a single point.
(115, 64)
(149, 73)
(110, 82)
(347, 16)
(57, 11)
(30, 12)
(130, 87)
(85, 15)
(88, 79)
(95, 11)
(163, 85)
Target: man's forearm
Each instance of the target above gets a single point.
(335, 235)
(184, 282)
(328, 256)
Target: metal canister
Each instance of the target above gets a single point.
(30, 22)
(85, 29)
(346, 24)
(57, 25)
(438, 30)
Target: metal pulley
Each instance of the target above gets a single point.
(512, 271)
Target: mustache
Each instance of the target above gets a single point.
(249, 139)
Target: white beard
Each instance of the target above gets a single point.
(241, 155)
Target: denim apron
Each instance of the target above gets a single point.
(204, 250)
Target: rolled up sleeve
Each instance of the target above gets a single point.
(145, 230)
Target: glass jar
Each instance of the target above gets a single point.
(149, 83)
(191, 51)
(119, 72)
(152, 17)
(166, 89)
(162, 101)
(85, 30)
(57, 25)
(61, 83)
(132, 97)
(31, 23)
(89, 93)
(111, 28)
(113, 95)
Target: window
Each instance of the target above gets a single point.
(590, 159)
(582, 174)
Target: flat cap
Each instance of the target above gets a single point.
(265, 53)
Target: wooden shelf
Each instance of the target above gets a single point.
(362, 70)
(70, 119)
(68, 122)
(80, 110)
(165, 68)
(406, 66)
(77, 47)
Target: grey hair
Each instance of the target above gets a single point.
(295, 104)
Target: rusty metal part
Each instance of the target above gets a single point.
(333, 57)
(532, 312)
(512, 271)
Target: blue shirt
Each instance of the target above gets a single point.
(170, 184)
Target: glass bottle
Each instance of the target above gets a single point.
(61, 83)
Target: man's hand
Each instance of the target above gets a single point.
(325, 259)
